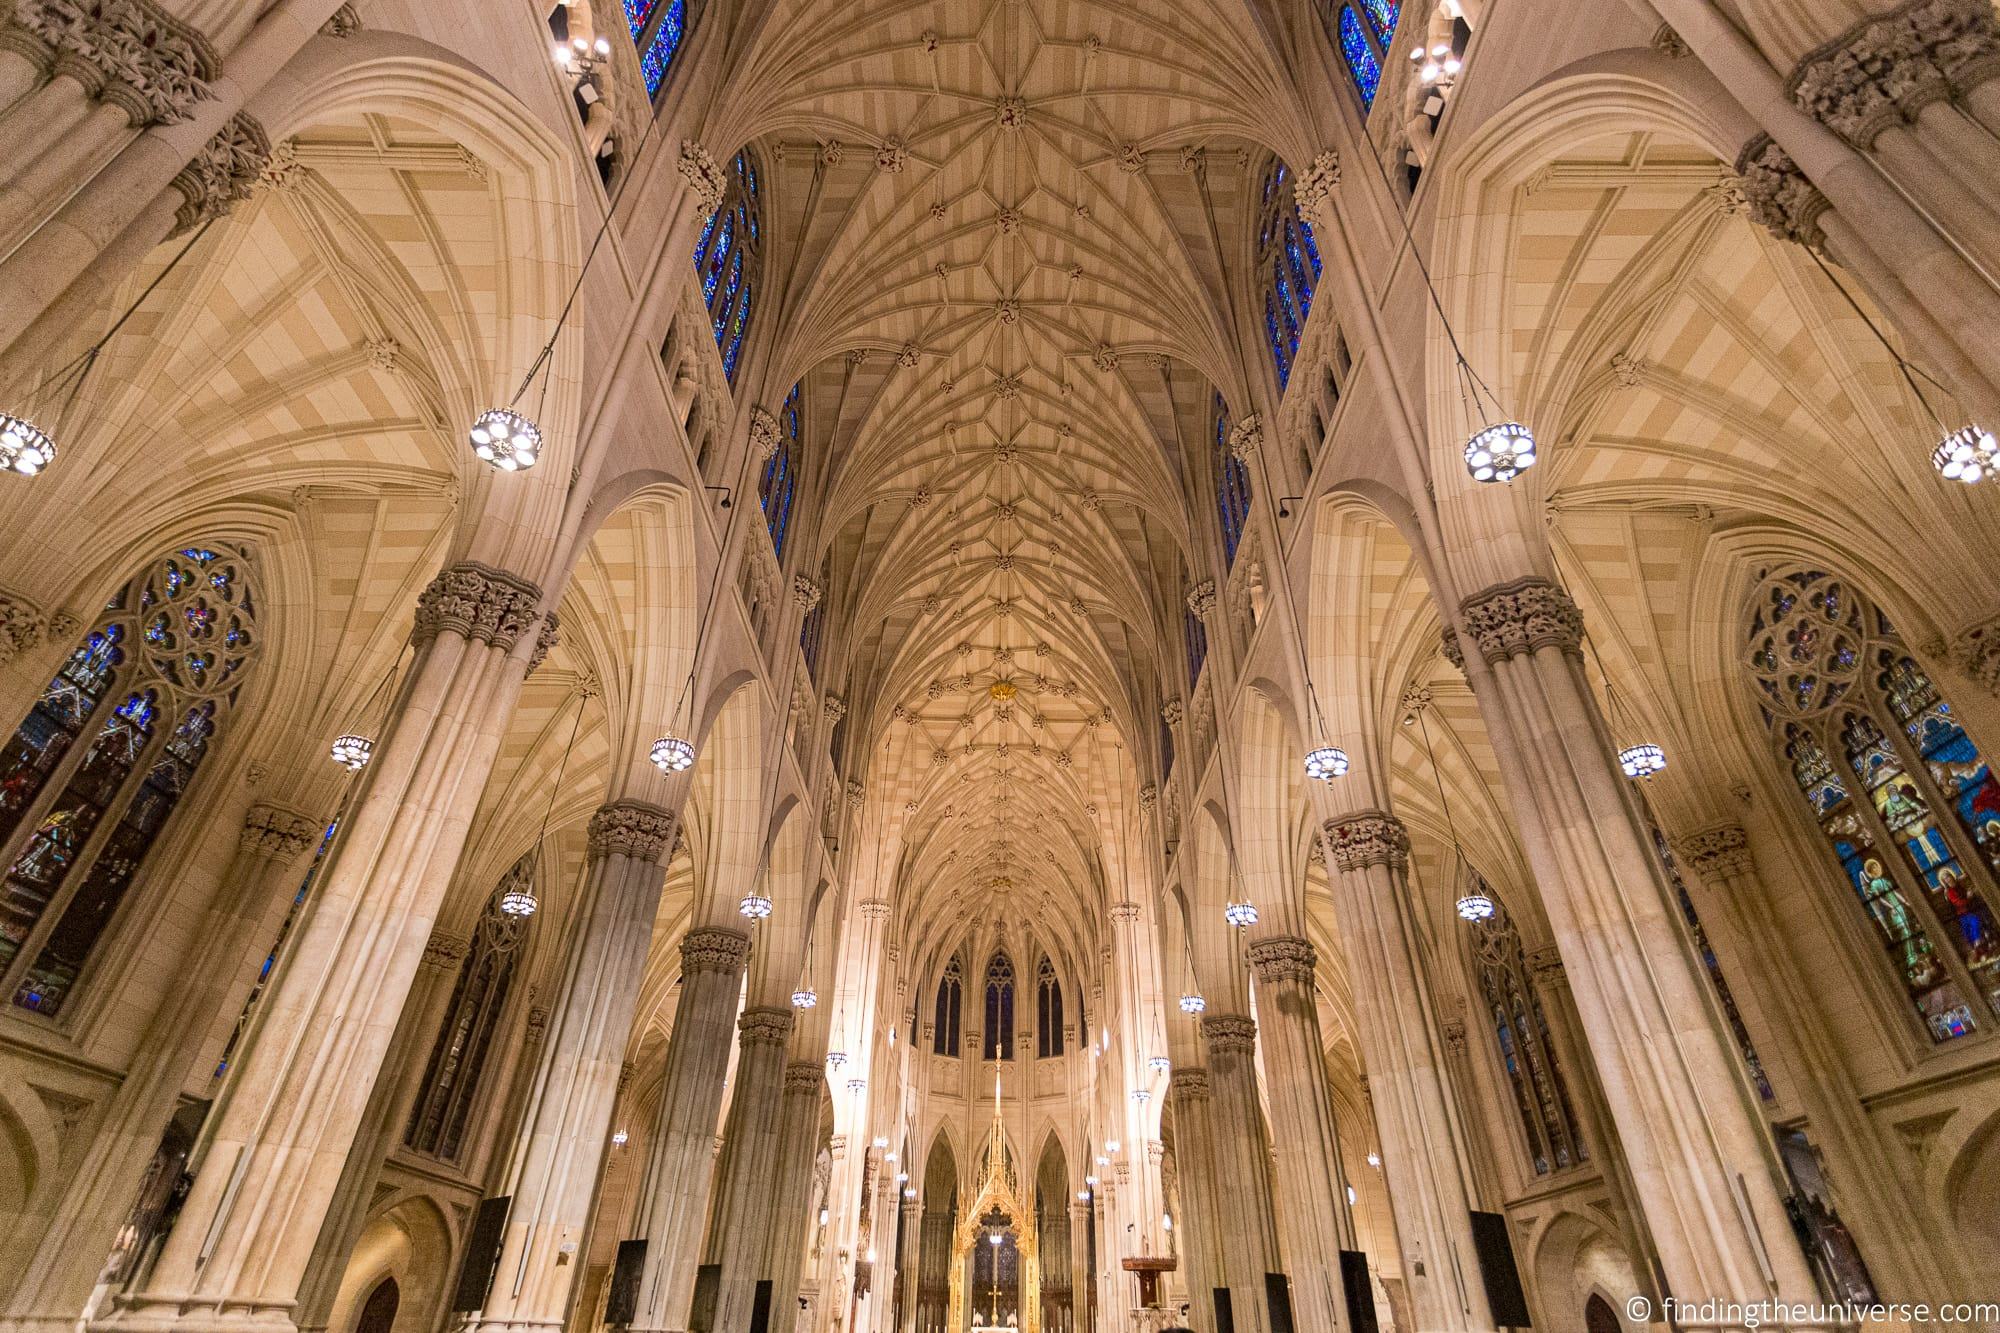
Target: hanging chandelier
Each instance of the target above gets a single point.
(1192, 1003)
(1326, 763)
(1475, 906)
(1240, 915)
(1969, 454)
(352, 752)
(1642, 761)
(519, 901)
(506, 439)
(1500, 453)
(1141, 1096)
(805, 997)
(1159, 1064)
(24, 447)
(671, 754)
(836, 1059)
(618, 1139)
(755, 906)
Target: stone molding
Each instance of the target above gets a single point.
(344, 23)
(272, 830)
(444, 951)
(130, 53)
(1229, 1032)
(1313, 190)
(1716, 853)
(1125, 912)
(765, 1026)
(714, 949)
(1191, 1082)
(874, 909)
(1545, 961)
(632, 828)
(1779, 196)
(1887, 68)
(22, 627)
(1524, 616)
(803, 1077)
(1975, 650)
(223, 173)
(546, 638)
(1284, 958)
(698, 168)
(477, 602)
(1367, 838)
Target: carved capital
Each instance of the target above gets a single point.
(698, 168)
(1201, 598)
(1245, 438)
(344, 23)
(1190, 1082)
(1370, 838)
(1314, 189)
(1449, 646)
(22, 627)
(476, 602)
(1125, 912)
(1716, 853)
(632, 828)
(806, 592)
(1172, 711)
(1887, 68)
(833, 708)
(1229, 1032)
(1975, 650)
(766, 1027)
(546, 638)
(1454, 1034)
(443, 951)
(714, 949)
(1284, 958)
(1149, 796)
(803, 1078)
(763, 434)
(273, 831)
(1779, 196)
(130, 53)
(874, 909)
(1522, 617)
(223, 173)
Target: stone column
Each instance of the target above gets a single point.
(1314, 1221)
(69, 1249)
(1697, 1153)
(271, 1167)
(798, 1141)
(1424, 1159)
(746, 1187)
(565, 1128)
(383, 1125)
(1247, 1237)
(674, 1210)
(1198, 1230)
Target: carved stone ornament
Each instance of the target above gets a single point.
(22, 628)
(1522, 617)
(804, 1079)
(1149, 796)
(1779, 196)
(1717, 852)
(806, 592)
(546, 638)
(1448, 645)
(833, 708)
(1172, 711)
(1314, 188)
(893, 155)
(1125, 913)
(344, 23)
(763, 433)
(714, 949)
(444, 951)
(1201, 598)
(769, 1027)
(1285, 958)
(1245, 438)
(1668, 42)
(223, 173)
(281, 834)
(1975, 650)
(1370, 838)
(698, 168)
(874, 909)
(1229, 1032)
(1454, 1034)
(477, 602)
(130, 53)
(856, 792)
(633, 829)
(1887, 68)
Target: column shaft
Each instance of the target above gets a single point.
(746, 1187)
(798, 1138)
(1198, 1229)
(1248, 1239)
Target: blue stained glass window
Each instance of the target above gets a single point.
(780, 476)
(1289, 267)
(1363, 65)
(1382, 15)
(728, 258)
(665, 45)
(1232, 484)
(636, 14)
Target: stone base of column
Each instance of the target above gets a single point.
(156, 1313)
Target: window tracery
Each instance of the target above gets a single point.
(999, 1007)
(150, 684)
(1524, 1043)
(729, 258)
(1288, 269)
(1850, 711)
(950, 1007)
(457, 1061)
(1048, 1011)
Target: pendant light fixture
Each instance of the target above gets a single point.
(520, 900)
(26, 446)
(353, 749)
(1640, 760)
(804, 996)
(1473, 905)
(1192, 1003)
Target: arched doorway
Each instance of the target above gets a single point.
(1599, 1317)
(378, 1312)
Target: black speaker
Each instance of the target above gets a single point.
(1504, 1296)
(621, 1303)
(1225, 1317)
(707, 1282)
(1278, 1295)
(1358, 1291)
(482, 1253)
(760, 1309)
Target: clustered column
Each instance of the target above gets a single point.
(1198, 1230)
(745, 1217)
(1249, 1242)
(1431, 1191)
(798, 1136)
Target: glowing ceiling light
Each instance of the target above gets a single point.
(1500, 453)
(352, 752)
(1326, 763)
(506, 439)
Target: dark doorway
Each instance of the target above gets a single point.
(1599, 1317)
(378, 1312)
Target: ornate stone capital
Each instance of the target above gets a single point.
(1887, 68)
(477, 602)
(1284, 958)
(1454, 1034)
(1125, 912)
(763, 433)
(765, 1026)
(874, 909)
(806, 592)
(714, 949)
(632, 828)
(1369, 838)
(1780, 198)
(1245, 438)
(223, 173)
(1449, 646)
(130, 53)
(1149, 796)
(1229, 1032)
(804, 1078)
(546, 638)
(1172, 711)
(444, 951)
(273, 831)
(698, 168)
(1975, 650)
(1521, 617)
(1190, 1082)
(344, 23)
(1313, 191)
(1716, 853)
(833, 708)
(22, 627)
(1201, 598)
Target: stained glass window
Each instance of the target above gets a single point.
(478, 1003)
(1525, 1045)
(1363, 54)
(999, 1007)
(1877, 753)
(728, 259)
(76, 823)
(1048, 1011)
(270, 964)
(1712, 965)
(779, 478)
(950, 1003)
(657, 31)
(1288, 268)
(1232, 483)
